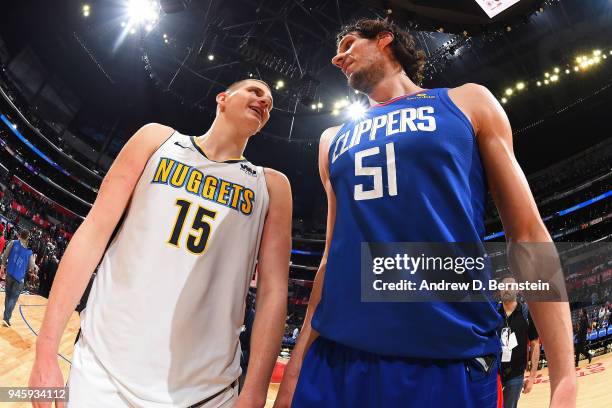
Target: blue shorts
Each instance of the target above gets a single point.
(334, 375)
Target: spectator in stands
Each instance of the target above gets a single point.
(581, 337)
(17, 258)
(517, 336)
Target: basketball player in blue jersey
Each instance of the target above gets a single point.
(162, 323)
(413, 169)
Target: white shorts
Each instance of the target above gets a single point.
(91, 386)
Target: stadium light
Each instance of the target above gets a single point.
(211, 57)
(141, 11)
(539, 83)
(313, 106)
(335, 112)
(556, 70)
(504, 100)
(356, 110)
(554, 78)
(509, 91)
(520, 86)
(280, 84)
(320, 105)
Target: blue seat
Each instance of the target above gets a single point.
(602, 333)
(592, 336)
(609, 330)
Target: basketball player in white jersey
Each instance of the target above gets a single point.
(165, 312)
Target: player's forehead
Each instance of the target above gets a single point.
(257, 85)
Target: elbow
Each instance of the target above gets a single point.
(532, 232)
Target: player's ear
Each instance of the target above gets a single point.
(384, 39)
(221, 99)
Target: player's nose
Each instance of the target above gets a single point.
(339, 59)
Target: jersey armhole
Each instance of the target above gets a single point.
(452, 106)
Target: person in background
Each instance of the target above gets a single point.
(17, 259)
(581, 344)
(517, 336)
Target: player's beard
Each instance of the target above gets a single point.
(365, 79)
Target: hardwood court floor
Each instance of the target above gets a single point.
(17, 346)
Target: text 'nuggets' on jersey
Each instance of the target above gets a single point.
(179, 175)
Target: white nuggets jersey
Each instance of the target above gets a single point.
(167, 305)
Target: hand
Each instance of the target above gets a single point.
(46, 373)
(285, 391)
(528, 385)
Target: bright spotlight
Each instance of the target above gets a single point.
(546, 74)
(539, 83)
(335, 112)
(166, 40)
(320, 105)
(313, 106)
(546, 82)
(133, 31)
(143, 11)
(509, 91)
(504, 100)
(14, 126)
(567, 71)
(356, 110)
(554, 78)
(211, 57)
(556, 70)
(165, 35)
(520, 86)
(576, 69)
(280, 84)
(148, 27)
(597, 52)
(356, 92)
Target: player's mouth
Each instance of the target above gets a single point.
(258, 111)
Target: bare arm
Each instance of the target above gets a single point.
(522, 223)
(307, 334)
(89, 241)
(271, 300)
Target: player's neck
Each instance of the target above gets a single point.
(391, 87)
(510, 306)
(222, 142)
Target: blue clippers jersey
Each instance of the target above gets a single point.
(408, 171)
(18, 261)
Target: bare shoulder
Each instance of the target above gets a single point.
(326, 137)
(276, 181)
(153, 132)
(477, 102)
